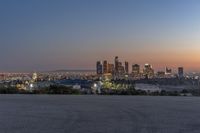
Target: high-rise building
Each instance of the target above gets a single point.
(99, 67)
(111, 68)
(126, 67)
(135, 70)
(180, 72)
(105, 66)
(148, 71)
(116, 65)
(120, 68)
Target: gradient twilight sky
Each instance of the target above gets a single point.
(40, 35)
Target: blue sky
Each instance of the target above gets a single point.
(40, 35)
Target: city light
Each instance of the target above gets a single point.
(31, 85)
(95, 85)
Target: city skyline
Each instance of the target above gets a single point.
(50, 35)
(122, 67)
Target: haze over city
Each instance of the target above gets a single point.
(50, 35)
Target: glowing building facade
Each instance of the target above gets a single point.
(136, 70)
(148, 71)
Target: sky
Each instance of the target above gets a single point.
(39, 35)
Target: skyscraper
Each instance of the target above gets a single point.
(180, 72)
(99, 67)
(135, 70)
(105, 66)
(111, 68)
(126, 67)
(148, 71)
(120, 68)
(116, 65)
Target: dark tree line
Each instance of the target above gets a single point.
(53, 89)
(59, 89)
(132, 91)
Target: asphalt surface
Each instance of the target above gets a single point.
(98, 114)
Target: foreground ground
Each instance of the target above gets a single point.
(98, 114)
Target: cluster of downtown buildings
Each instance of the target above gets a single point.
(121, 70)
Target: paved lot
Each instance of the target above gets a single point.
(98, 114)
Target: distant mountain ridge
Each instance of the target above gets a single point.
(76, 70)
